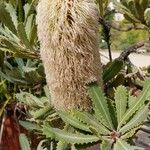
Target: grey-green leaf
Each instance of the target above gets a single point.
(106, 145)
(24, 143)
(112, 70)
(70, 119)
(68, 137)
(40, 147)
(100, 104)
(92, 122)
(121, 100)
(147, 16)
(145, 94)
(137, 119)
(6, 19)
(61, 145)
(123, 145)
(13, 13)
(29, 126)
(23, 36)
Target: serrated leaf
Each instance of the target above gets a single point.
(11, 46)
(92, 122)
(6, 19)
(73, 147)
(26, 9)
(131, 7)
(40, 145)
(30, 126)
(100, 104)
(106, 145)
(129, 134)
(124, 10)
(24, 143)
(13, 13)
(29, 9)
(33, 34)
(23, 36)
(28, 25)
(144, 4)
(132, 100)
(12, 79)
(113, 114)
(70, 119)
(47, 92)
(139, 11)
(121, 100)
(29, 99)
(42, 112)
(137, 119)
(68, 137)
(33, 77)
(61, 145)
(1, 58)
(112, 70)
(123, 145)
(20, 11)
(145, 94)
(147, 16)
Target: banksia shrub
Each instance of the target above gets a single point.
(68, 35)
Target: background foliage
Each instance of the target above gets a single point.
(25, 101)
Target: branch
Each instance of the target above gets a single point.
(118, 28)
(132, 49)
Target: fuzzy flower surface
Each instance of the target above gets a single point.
(68, 35)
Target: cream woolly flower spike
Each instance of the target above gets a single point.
(68, 35)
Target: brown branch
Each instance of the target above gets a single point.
(132, 49)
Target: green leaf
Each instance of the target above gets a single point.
(20, 11)
(92, 122)
(2, 58)
(100, 104)
(73, 147)
(132, 100)
(24, 143)
(139, 11)
(137, 120)
(42, 112)
(147, 16)
(113, 69)
(68, 137)
(144, 4)
(13, 13)
(47, 92)
(123, 145)
(6, 19)
(23, 36)
(30, 99)
(106, 145)
(145, 94)
(29, 9)
(40, 145)
(129, 134)
(61, 145)
(113, 114)
(11, 46)
(30, 126)
(121, 100)
(70, 119)
(33, 34)
(28, 25)
(124, 10)
(12, 79)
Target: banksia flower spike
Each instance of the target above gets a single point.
(68, 35)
